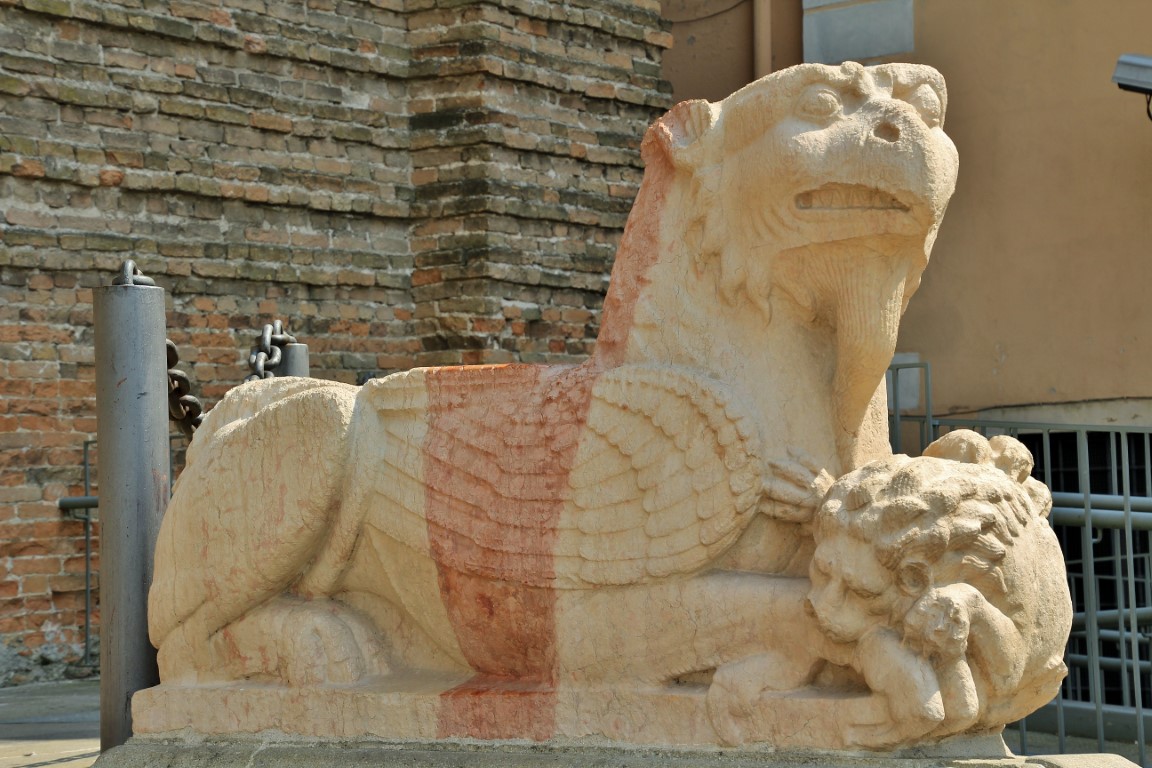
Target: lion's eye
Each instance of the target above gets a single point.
(818, 104)
(927, 103)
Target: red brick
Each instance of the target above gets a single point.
(126, 158)
(488, 325)
(12, 623)
(256, 193)
(268, 122)
(38, 604)
(28, 168)
(26, 548)
(426, 277)
(45, 565)
(111, 177)
(25, 218)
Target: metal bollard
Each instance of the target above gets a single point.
(132, 427)
(294, 361)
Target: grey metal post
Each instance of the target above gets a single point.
(132, 429)
(294, 361)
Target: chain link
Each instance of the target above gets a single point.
(183, 408)
(130, 274)
(269, 351)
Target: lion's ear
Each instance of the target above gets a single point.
(1011, 457)
(1040, 495)
(914, 577)
(677, 133)
(961, 445)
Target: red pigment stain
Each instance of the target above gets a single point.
(638, 252)
(501, 441)
(497, 708)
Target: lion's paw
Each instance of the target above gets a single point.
(297, 642)
(734, 698)
(327, 643)
(730, 700)
(877, 729)
(793, 488)
(939, 623)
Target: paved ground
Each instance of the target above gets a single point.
(58, 725)
(50, 724)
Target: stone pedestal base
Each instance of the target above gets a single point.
(249, 725)
(144, 753)
(430, 710)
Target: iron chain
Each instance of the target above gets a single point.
(183, 407)
(269, 351)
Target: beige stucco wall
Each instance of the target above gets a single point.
(1039, 287)
(712, 52)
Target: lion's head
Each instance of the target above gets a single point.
(816, 191)
(809, 156)
(803, 205)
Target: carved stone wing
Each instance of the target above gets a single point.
(470, 464)
(558, 478)
(667, 475)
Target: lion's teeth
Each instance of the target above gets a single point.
(848, 197)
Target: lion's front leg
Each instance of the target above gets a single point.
(656, 633)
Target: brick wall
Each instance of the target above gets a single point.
(405, 183)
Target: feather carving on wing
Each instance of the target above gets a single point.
(574, 477)
(667, 476)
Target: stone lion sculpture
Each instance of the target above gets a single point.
(535, 552)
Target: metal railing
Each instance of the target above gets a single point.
(1101, 483)
(84, 508)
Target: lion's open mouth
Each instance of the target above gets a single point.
(836, 197)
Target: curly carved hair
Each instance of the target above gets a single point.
(951, 514)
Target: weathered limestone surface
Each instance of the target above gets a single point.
(650, 547)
